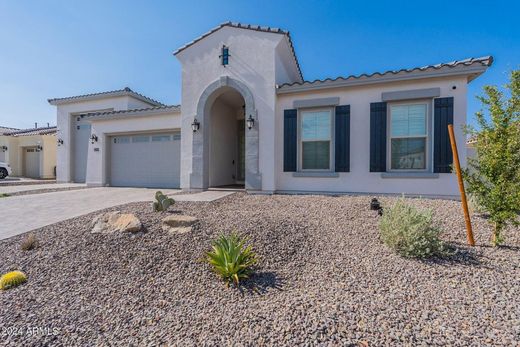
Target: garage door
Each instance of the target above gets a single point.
(2, 156)
(31, 163)
(146, 160)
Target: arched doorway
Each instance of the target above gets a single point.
(225, 151)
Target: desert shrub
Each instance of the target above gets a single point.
(493, 175)
(474, 204)
(231, 259)
(162, 202)
(409, 232)
(29, 243)
(12, 279)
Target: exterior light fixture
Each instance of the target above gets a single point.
(93, 139)
(60, 142)
(195, 126)
(4, 148)
(39, 148)
(224, 57)
(250, 122)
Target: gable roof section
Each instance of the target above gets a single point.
(113, 93)
(473, 67)
(134, 112)
(247, 27)
(32, 131)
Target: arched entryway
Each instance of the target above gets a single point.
(218, 157)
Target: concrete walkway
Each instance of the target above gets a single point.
(25, 188)
(19, 214)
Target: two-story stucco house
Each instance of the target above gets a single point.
(249, 117)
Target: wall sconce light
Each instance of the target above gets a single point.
(93, 139)
(60, 142)
(250, 122)
(39, 148)
(195, 126)
(4, 148)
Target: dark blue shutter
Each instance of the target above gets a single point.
(342, 138)
(443, 115)
(378, 137)
(290, 140)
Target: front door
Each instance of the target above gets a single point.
(241, 167)
(81, 135)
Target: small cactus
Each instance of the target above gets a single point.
(162, 203)
(12, 279)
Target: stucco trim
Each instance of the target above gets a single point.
(125, 114)
(411, 94)
(320, 102)
(315, 174)
(407, 175)
(199, 175)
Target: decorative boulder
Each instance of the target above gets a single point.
(111, 222)
(178, 224)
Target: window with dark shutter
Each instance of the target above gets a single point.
(290, 140)
(378, 137)
(443, 115)
(342, 139)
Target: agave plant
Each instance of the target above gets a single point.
(230, 259)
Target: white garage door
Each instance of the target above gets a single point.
(2, 155)
(146, 160)
(31, 163)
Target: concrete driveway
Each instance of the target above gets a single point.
(19, 214)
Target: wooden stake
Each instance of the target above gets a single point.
(469, 230)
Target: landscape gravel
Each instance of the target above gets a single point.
(323, 278)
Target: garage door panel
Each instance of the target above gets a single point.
(145, 161)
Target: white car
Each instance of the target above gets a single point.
(5, 170)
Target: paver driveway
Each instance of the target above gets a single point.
(19, 214)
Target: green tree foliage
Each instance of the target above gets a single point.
(493, 176)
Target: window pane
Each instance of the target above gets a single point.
(121, 140)
(140, 139)
(315, 125)
(408, 153)
(160, 138)
(316, 155)
(408, 120)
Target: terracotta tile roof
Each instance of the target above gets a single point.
(134, 111)
(4, 130)
(121, 92)
(248, 27)
(482, 61)
(33, 131)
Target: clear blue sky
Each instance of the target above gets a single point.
(63, 48)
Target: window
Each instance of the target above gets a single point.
(121, 140)
(140, 139)
(315, 137)
(160, 138)
(408, 135)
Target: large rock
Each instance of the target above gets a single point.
(178, 224)
(111, 222)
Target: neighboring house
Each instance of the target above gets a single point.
(471, 152)
(29, 152)
(249, 117)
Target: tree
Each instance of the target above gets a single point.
(493, 175)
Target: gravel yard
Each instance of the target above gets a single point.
(323, 279)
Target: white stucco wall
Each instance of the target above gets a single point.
(97, 165)
(252, 62)
(65, 124)
(360, 179)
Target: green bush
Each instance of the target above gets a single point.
(230, 259)
(409, 232)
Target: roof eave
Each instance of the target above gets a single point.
(72, 100)
(472, 72)
(137, 113)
